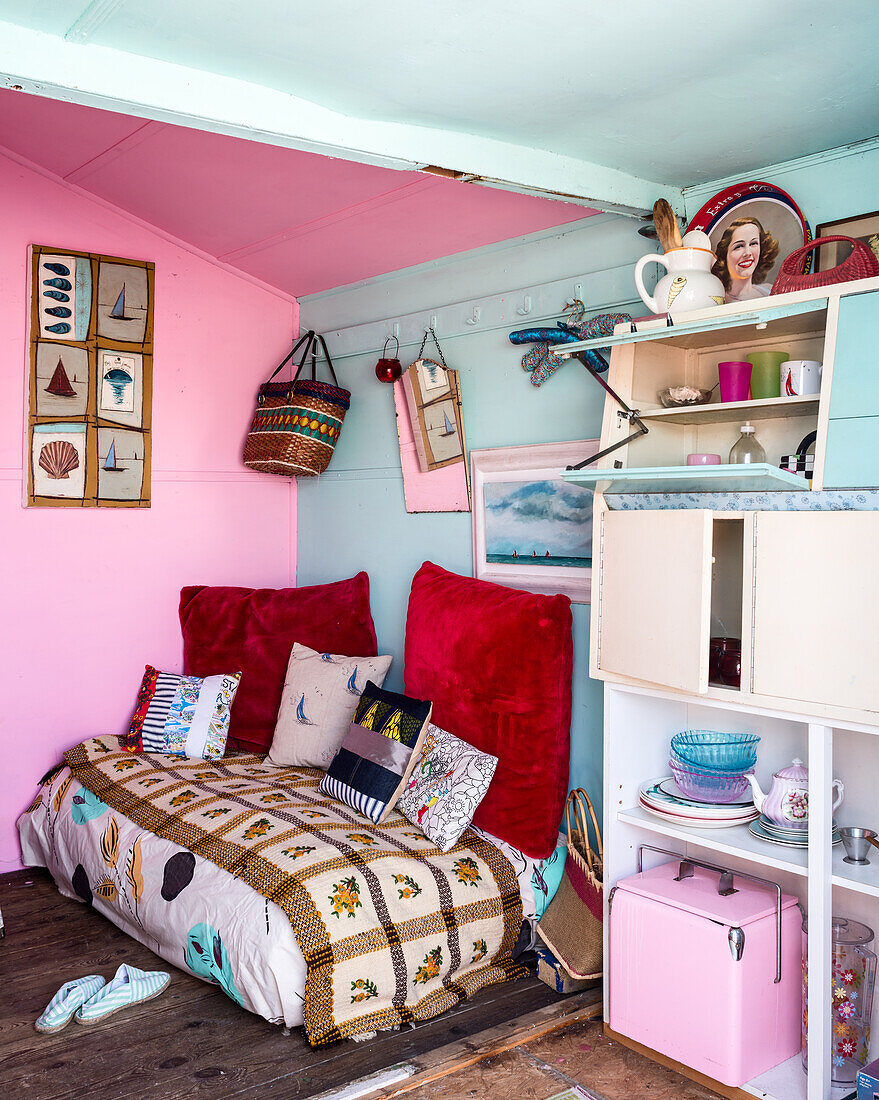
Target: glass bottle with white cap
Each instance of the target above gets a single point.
(746, 449)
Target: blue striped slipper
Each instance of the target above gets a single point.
(129, 986)
(71, 996)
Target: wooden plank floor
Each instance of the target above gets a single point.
(192, 1041)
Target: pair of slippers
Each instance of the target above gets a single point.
(91, 999)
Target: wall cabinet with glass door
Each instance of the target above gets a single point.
(834, 325)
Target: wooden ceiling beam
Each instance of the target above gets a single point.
(98, 76)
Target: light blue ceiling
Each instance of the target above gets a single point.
(677, 93)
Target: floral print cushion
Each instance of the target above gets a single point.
(447, 784)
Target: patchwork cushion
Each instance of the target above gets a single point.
(379, 752)
(498, 665)
(447, 784)
(320, 695)
(182, 715)
(254, 629)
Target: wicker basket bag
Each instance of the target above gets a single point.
(296, 424)
(571, 927)
(861, 264)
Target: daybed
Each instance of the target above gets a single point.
(299, 907)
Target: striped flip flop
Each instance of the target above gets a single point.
(71, 996)
(129, 986)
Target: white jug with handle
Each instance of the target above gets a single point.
(688, 285)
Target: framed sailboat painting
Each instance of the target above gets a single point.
(532, 530)
(89, 380)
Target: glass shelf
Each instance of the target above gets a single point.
(703, 328)
(755, 477)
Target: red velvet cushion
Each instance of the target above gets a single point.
(498, 665)
(253, 629)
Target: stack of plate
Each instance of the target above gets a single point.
(783, 834)
(663, 798)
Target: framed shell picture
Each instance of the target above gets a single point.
(90, 341)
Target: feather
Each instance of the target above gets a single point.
(61, 792)
(218, 952)
(134, 871)
(110, 843)
(106, 889)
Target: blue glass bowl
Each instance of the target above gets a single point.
(709, 751)
(709, 788)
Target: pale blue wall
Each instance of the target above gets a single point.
(354, 517)
(829, 186)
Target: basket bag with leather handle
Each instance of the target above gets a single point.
(571, 927)
(296, 424)
(862, 264)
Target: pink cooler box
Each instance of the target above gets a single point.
(692, 970)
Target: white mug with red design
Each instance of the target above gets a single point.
(800, 377)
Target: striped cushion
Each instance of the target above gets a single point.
(182, 715)
(379, 752)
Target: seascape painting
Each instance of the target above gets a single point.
(532, 529)
(538, 524)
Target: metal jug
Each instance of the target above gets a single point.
(853, 974)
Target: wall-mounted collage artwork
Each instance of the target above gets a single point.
(90, 380)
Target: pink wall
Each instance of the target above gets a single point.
(87, 597)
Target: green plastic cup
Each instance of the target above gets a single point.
(766, 375)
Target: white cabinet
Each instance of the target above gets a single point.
(801, 590)
(811, 324)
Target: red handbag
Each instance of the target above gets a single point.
(862, 264)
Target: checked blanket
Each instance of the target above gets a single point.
(392, 930)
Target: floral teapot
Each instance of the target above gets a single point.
(787, 802)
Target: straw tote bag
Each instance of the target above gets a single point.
(571, 927)
(296, 424)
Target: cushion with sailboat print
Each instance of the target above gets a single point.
(182, 715)
(378, 754)
(321, 693)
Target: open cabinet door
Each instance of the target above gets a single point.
(654, 600)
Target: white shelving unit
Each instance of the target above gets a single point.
(800, 589)
(639, 724)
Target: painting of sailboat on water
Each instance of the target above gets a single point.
(90, 333)
(532, 529)
(123, 301)
(120, 464)
(62, 380)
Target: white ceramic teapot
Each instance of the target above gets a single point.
(689, 283)
(787, 802)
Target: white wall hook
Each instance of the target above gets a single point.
(476, 318)
(525, 309)
(396, 330)
(433, 321)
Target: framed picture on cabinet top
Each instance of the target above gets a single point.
(531, 529)
(863, 227)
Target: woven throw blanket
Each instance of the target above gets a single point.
(392, 930)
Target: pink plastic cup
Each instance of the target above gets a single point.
(703, 460)
(735, 380)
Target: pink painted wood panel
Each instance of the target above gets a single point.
(443, 490)
(88, 597)
(299, 221)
